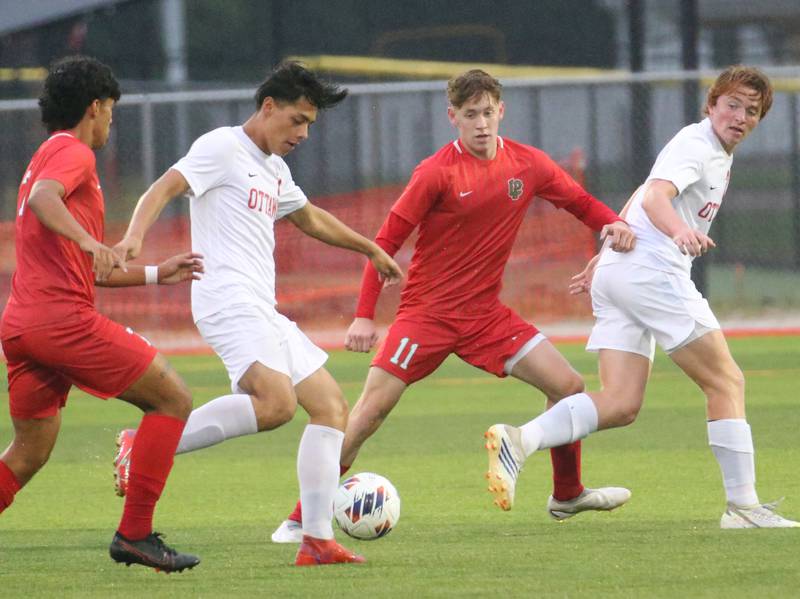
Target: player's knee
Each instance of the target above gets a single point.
(726, 386)
(177, 401)
(627, 415)
(274, 410)
(573, 385)
(623, 411)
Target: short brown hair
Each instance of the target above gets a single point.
(470, 84)
(738, 75)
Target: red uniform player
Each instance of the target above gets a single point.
(468, 201)
(53, 337)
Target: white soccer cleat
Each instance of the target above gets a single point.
(603, 499)
(758, 516)
(289, 531)
(504, 445)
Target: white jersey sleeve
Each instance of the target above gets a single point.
(699, 167)
(681, 162)
(209, 161)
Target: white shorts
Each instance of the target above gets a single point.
(636, 307)
(245, 334)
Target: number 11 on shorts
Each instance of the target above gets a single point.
(395, 359)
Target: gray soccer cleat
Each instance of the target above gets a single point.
(504, 446)
(757, 516)
(603, 499)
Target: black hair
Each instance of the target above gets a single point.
(72, 84)
(290, 81)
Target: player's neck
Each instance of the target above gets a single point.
(83, 131)
(251, 129)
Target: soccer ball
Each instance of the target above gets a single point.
(366, 506)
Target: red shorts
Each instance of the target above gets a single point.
(417, 343)
(91, 352)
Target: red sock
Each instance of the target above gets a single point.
(151, 460)
(9, 485)
(297, 513)
(566, 471)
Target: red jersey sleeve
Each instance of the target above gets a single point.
(563, 191)
(70, 165)
(394, 231)
(421, 193)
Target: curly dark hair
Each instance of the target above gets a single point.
(290, 81)
(72, 84)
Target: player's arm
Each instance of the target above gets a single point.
(362, 334)
(182, 267)
(322, 225)
(582, 282)
(46, 201)
(561, 190)
(657, 204)
(170, 185)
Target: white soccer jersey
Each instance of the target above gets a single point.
(237, 194)
(699, 167)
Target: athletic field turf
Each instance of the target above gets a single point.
(222, 503)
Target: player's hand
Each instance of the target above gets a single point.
(693, 242)
(622, 238)
(183, 267)
(103, 258)
(129, 248)
(582, 282)
(361, 335)
(388, 270)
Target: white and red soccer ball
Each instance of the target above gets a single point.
(366, 506)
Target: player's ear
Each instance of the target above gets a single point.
(501, 109)
(451, 115)
(268, 105)
(93, 109)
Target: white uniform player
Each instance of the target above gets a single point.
(240, 186)
(234, 304)
(646, 296)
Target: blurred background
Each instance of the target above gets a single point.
(601, 85)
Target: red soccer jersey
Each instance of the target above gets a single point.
(469, 211)
(54, 278)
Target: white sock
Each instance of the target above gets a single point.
(318, 473)
(732, 443)
(222, 418)
(572, 418)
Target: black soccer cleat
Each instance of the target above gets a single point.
(151, 552)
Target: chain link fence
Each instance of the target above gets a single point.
(610, 128)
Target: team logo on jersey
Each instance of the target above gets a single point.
(514, 189)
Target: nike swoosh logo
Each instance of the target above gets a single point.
(251, 174)
(714, 187)
(463, 194)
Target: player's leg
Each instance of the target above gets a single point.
(107, 360)
(401, 359)
(381, 393)
(36, 396)
(30, 449)
(563, 425)
(166, 402)
(318, 468)
(543, 367)
(248, 340)
(708, 362)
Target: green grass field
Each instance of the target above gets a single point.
(224, 502)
